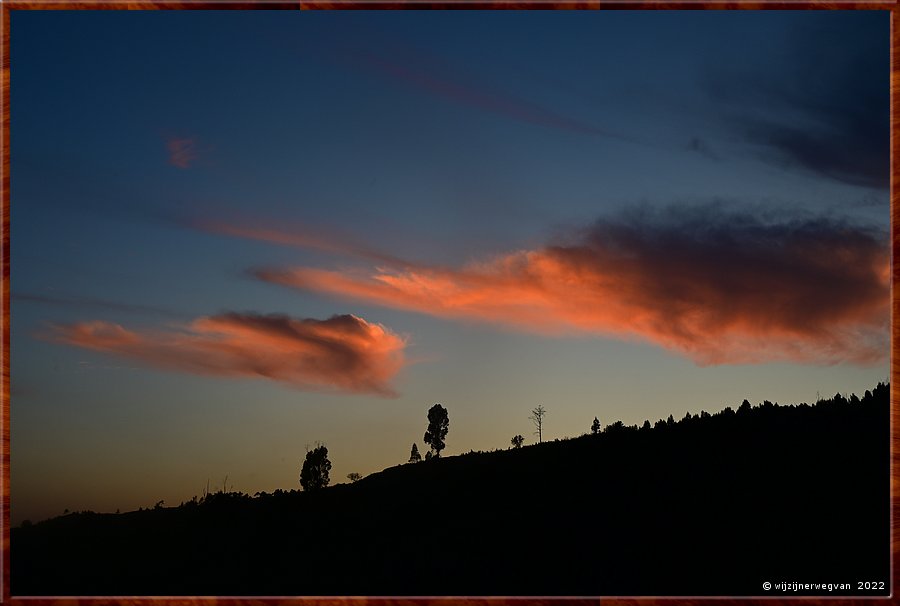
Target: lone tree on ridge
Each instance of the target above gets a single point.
(537, 417)
(438, 426)
(314, 474)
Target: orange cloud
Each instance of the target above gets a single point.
(718, 289)
(342, 354)
(182, 152)
(299, 236)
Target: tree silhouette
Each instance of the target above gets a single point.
(354, 477)
(646, 504)
(414, 456)
(314, 474)
(614, 427)
(517, 441)
(438, 425)
(537, 417)
(595, 426)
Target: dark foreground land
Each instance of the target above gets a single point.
(710, 505)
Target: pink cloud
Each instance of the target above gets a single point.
(182, 151)
(341, 354)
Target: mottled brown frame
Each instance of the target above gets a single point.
(9, 5)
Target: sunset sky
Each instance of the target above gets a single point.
(236, 234)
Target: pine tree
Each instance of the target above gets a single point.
(414, 456)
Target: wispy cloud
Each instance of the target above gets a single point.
(714, 286)
(415, 68)
(298, 236)
(94, 303)
(182, 151)
(341, 354)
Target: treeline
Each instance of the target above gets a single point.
(711, 504)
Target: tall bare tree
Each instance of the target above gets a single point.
(537, 417)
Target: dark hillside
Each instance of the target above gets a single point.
(710, 505)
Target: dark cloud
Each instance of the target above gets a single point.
(698, 145)
(874, 200)
(824, 107)
(716, 286)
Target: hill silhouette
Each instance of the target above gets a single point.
(715, 504)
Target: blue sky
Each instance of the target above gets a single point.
(503, 209)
